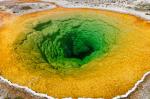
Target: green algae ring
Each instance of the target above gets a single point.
(68, 42)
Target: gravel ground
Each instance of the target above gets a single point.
(142, 91)
(10, 92)
(21, 7)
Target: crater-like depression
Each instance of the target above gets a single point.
(67, 42)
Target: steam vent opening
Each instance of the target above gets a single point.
(70, 42)
(73, 46)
